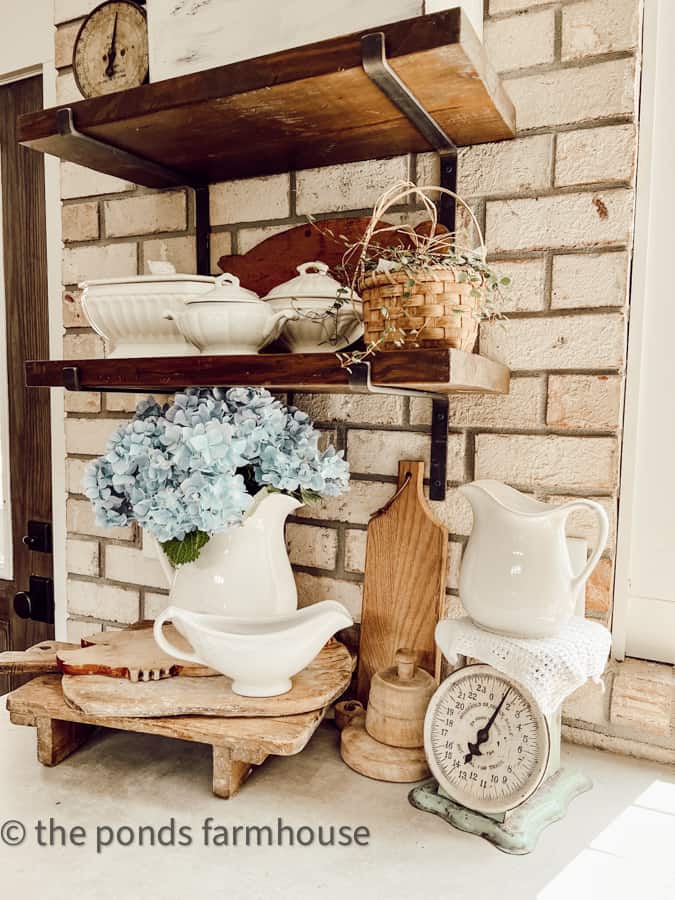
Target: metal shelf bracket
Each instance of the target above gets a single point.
(380, 72)
(156, 176)
(360, 383)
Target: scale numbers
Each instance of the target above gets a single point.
(486, 740)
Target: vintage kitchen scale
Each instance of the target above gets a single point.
(496, 760)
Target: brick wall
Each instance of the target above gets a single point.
(557, 206)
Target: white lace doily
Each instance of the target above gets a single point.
(550, 668)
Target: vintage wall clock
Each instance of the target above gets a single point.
(111, 49)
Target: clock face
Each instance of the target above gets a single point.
(486, 740)
(111, 49)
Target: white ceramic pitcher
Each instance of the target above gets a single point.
(516, 576)
(244, 571)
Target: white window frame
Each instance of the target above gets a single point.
(645, 626)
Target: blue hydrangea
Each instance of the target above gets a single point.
(195, 464)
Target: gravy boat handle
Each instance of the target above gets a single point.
(171, 612)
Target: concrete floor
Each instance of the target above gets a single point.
(617, 840)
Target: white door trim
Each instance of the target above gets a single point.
(653, 231)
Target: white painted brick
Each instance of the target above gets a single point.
(455, 550)
(145, 214)
(73, 314)
(79, 221)
(67, 90)
(82, 557)
(122, 402)
(154, 604)
(522, 407)
(77, 629)
(527, 291)
(569, 221)
(132, 565)
(89, 435)
(599, 26)
(65, 10)
(584, 524)
(590, 703)
(596, 155)
(64, 40)
(80, 519)
(454, 512)
(590, 402)
(103, 601)
(565, 96)
(74, 475)
(98, 261)
(521, 41)
(355, 550)
(548, 461)
(248, 238)
(314, 588)
(351, 408)
(453, 607)
(351, 186)
(356, 506)
(250, 199)
(220, 245)
(379, 452)
(78, 181)
(179, 251)
(560, 342)
(82, 401)
(83, 346)
(589, 280)
(502, 6)
(312, 546)
(505, 167)
(642, 696)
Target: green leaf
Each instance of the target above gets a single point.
(187, 550)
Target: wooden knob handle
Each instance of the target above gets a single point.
(406, 662)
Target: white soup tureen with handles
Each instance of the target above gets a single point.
(229, 319)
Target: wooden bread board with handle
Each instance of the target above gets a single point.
(37, 660)
(131, 654)
(321, 682)
(404, 581)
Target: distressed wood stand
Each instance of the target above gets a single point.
(239, 744)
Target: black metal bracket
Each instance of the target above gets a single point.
(378, 69)
(360, 383)
(146, 172)
(71, 378)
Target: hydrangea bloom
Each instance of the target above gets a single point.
(194, 464)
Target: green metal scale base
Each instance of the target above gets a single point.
(518, 831)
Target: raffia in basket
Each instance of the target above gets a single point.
(437, 311)
(429, 308)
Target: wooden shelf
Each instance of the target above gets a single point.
(310, 106)
(431, 371)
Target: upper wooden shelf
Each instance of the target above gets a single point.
(432, 371)
(310, 106)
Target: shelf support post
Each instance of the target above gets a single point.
(377, 68)
(202, 230)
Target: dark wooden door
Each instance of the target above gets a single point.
(27, 330)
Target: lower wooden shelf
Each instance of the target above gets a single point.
(430, 371)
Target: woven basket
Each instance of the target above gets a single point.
(429, 307)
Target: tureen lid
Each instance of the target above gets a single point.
(227, 287)
(313, 282)
(161, 271)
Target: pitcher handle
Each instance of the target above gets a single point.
(171, 612)
(603, 522)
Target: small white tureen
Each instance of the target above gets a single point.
(229, 319)
(326, 317)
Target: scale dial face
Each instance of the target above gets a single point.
(486, 740)
(111, 49)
